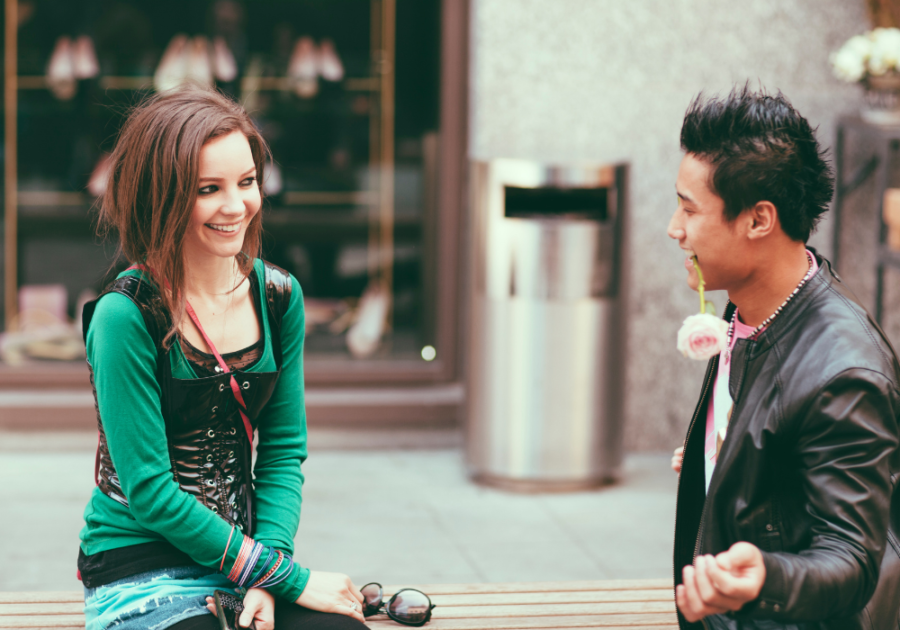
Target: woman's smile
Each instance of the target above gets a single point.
(225, 228)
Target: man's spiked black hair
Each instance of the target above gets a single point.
(761, 149)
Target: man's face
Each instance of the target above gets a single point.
(701, 230)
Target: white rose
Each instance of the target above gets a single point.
(859, 44)
(885, 50)
(848, 65)
(702, 336)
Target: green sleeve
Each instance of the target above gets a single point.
(281, 449)
(123, 357)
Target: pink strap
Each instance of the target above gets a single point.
(235, 388)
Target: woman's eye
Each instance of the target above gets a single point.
(248, 181)
(208, 190)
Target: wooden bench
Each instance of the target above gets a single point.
(613, 604)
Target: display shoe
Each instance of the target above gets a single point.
(61, 70)
(199, 62)
(84, 58)
(100, 176)
(172, 69)
(303, 68)
(273, 183)
(330, 66)
(224, 66)
(364, 336)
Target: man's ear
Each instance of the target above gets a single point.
(763, 219)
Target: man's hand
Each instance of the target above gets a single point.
(259, 606)
(714, 585)
(332, 593)
(677, 458)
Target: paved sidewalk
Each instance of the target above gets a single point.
(398, 516)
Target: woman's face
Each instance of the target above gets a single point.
(227, 198)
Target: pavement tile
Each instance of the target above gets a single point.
(393, 516)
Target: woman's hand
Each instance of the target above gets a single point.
(259, 606)
(677, 458)
(332, 593)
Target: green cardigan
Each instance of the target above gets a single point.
(123, 357)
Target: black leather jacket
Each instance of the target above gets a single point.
(208, 446)
(808, 469)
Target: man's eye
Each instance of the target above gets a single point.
(208, 190)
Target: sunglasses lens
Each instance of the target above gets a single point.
(373, 595)
(410, 607)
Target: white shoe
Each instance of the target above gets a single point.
(100, 176)
(330, 66)
(84, 58)
(365, 335)
(199, 63)
(61, 70)
(172, 68)
(224, 66)
(272, 184)
(303, 68)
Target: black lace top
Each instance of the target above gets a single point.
(205, 364)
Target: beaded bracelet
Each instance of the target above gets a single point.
(289, 562)
(266, 564)
(270, 572)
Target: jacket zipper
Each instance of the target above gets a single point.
(712, 369)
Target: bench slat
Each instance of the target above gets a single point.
(555, 610)
(52, 621)
(49, 597)
(650, 620)
(71, 608)
(540, 587)
(581, 597)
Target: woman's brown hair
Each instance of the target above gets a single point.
(154, 182)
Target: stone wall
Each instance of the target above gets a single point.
(605, 81)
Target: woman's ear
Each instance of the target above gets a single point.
(763, 219)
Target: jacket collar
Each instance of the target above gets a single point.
(820, 281)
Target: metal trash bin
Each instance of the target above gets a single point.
(545, 336)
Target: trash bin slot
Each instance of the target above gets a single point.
(549, 203)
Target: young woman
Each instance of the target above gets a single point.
(193, 350)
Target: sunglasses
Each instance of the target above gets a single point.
(408, 606)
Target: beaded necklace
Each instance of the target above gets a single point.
(771, 317)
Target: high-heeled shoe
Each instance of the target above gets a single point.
(365, 334)
(273, 183)
(224, 66)
(199, 65)
(61, 70)
(303, 68)
(84, 58)
(330, 66)
(100, 176)
(172, 68)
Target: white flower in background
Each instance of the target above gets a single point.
(885, 52)
(848, 65)
(873, 54)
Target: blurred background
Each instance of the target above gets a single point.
(431, 159)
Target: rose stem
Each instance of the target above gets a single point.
(700, 287)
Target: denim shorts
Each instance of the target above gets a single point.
(153, 600)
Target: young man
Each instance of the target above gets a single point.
(788, 512)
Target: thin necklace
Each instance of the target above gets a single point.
(771, 317)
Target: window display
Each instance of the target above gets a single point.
(346, 92)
